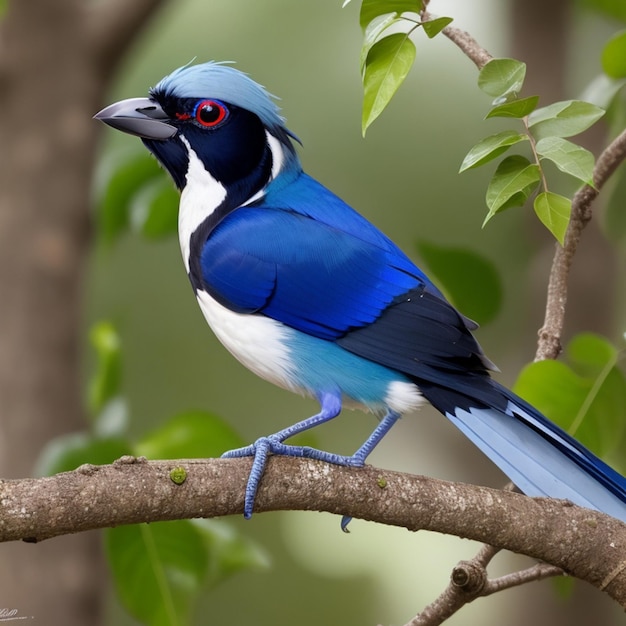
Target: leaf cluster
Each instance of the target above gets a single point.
(387, 55)
(517, 177)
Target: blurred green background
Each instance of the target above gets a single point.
(403, 177)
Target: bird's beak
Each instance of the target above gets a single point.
(142, 117)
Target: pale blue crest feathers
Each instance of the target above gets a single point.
(223, 82)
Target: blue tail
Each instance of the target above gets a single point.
(537, 455)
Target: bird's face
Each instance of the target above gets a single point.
(230, 141)
(213, 113)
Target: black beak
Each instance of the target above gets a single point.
(142, 117)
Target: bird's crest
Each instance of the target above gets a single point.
(223, 82)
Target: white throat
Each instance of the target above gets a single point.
(201, 196)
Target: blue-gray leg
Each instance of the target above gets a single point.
(260, 449)
(384, 426)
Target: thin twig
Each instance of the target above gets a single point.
(539, 571)
(469, 581)
(470, 47)
(486, 554)
(549, 344)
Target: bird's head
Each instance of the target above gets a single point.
(215, 114)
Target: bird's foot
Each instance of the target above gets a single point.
(273, 444)
(265, 446)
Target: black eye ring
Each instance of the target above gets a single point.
(210, 113)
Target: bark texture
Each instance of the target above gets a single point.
(583, 543)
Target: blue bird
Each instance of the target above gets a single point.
(312, 297)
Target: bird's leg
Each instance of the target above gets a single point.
(385, 424)
(273, 444)
(262, 447)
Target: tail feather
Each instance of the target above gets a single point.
(538, 456)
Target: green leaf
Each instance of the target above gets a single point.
(105, 383)
(515, 108)
(491, 147)
(119, 191)
(387, 65)
(511, 185)
(586, 396)
(433, 27)
(554, 389)
(112, 419)
(589, 354)
(158, 569)
(502, 77)
(189, 435)
(568, 157)
(611, 8)
(564, 119)
(554, 212)
(602, 91)
(614, 56)
(67, 452)
(372, 33)
(230, 551)
(469, 279)
(371, 9)
(154, 211)
(564, 586)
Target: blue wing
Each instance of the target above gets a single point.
(321, 269)
(305, 258)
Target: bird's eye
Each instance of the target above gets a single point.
(210, 113)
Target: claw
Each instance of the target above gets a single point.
(262, 448)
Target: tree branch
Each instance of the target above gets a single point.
(583, 543)
(470, 47)
(539, 571)
(469, 581)
(549, 345)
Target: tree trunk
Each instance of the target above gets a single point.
(52, 78)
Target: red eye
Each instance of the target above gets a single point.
(210, 113)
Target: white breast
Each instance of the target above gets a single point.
(256, 341)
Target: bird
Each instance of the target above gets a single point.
(311, 296)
